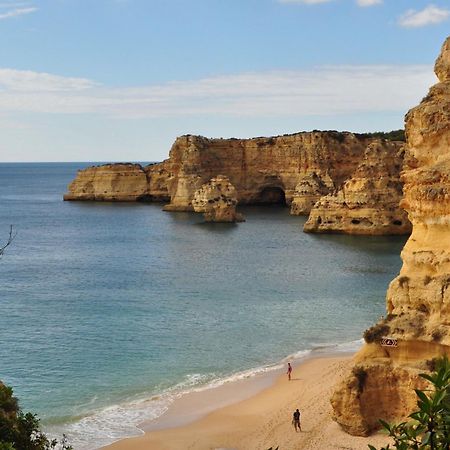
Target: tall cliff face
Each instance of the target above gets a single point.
(369, 201)
(263, 170)
(418, 300)
(120, 182)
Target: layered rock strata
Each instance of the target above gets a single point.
(308, 191)
(369, 201)
(418, 300)
(123, 182)
(217, 201)
(262, 170)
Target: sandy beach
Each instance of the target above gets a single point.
(263, 420)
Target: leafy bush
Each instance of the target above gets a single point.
(429, 428)
(19, 430)
(394, 135)
(375, 333)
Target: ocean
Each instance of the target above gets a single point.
(109, 311)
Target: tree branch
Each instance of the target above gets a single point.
(12, 235)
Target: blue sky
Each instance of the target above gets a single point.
(112, 80)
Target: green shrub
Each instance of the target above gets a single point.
(375, 333)
(429, 427)
(19, 430)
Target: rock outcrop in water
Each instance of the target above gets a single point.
(296, 170)
(217, 201)
(368, 202)
(124, 182)
(418, 300)
(263, 170)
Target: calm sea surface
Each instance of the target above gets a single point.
(104, 306)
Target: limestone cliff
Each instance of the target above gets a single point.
(120, 182)
(418, 300)
(297, 170)
(217, 201)
(369, 201)
(263, 170)
(308, 191)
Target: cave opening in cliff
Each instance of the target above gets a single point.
(271, 196)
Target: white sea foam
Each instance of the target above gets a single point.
(102, 427)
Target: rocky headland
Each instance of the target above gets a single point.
(418, 300)
(296, 170)
(368, 202)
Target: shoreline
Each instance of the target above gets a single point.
(255, 413)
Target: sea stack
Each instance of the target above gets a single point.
(217, 201)
(418, 300)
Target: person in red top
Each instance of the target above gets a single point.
(289, 371)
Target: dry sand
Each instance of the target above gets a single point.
(264, 420)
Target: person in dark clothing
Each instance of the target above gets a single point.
(296, 420)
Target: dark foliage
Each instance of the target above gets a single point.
(394, 135)
(19, 430)
(375, 333)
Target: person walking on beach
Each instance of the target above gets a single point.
(289, 371)
(296, 420)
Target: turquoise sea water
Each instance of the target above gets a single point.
(104, 306)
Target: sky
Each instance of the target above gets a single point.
(119, 80)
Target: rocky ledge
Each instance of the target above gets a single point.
(418, 300)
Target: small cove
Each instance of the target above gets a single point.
(107, 305)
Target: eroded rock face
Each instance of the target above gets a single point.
(110, 182)
(369, 201)
(308, 191)
(120, 182)
(217, 201)
(263, 170)
(295, 170)
(358, 400)
(418, 300)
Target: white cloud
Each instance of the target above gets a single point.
(322, 91)
(431, 15)
(29, 81)
(365, 3)
(305, 2)
(17, 12)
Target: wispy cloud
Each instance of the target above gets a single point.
(365, 3)
(322, 91)
(431, 15)
(17, 12)
(30, 81)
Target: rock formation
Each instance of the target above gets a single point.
(120, 182)
(298, 169)
(368, 202)
(217, 201)
(308, 191)
(418, 300)
(263, 170)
